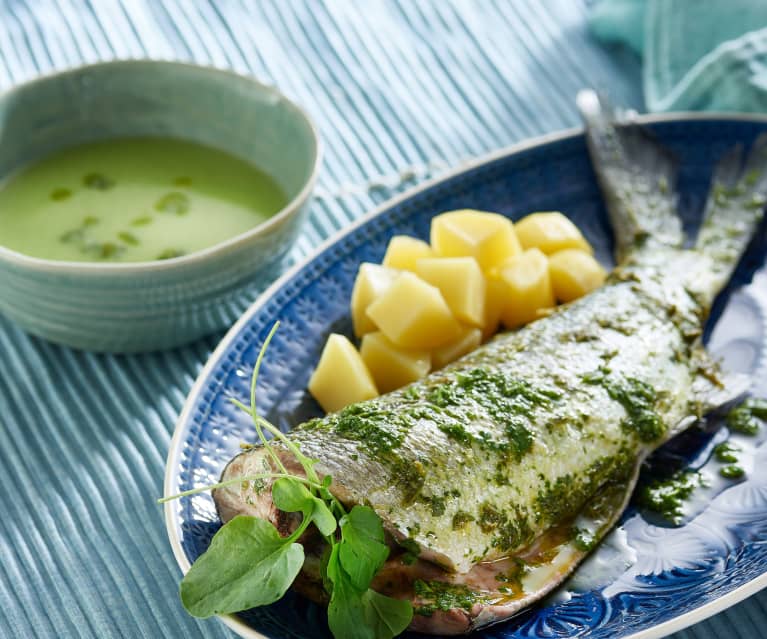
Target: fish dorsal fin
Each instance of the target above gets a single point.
(637, 177)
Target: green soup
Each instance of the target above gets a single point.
(133, 200)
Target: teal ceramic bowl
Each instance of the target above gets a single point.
(140, 306)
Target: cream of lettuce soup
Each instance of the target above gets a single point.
(133, 200)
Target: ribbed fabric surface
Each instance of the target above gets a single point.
(400, 90)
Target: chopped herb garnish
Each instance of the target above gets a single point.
(751, 178)
(460, 519)
(666, 497)
(58, 195)
(109, 249)
(637, 398)
(757, 202)
(732, 471)
(102, 250)
(412, 550)
(75, 235)
(584, 539)
(97, 182)
(128, 238)
(174, 202)
(757, 406)
(168, 254)
(725, 452)
(439, 595)
(743, 418)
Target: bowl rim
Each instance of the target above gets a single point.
(238, 625)
(139, 268)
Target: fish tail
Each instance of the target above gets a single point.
(637, 177)
(734, 208)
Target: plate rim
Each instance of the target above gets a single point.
(182, 422)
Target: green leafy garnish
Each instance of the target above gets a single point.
(362, 550)
(249, 564)
(362, 613)
(291, 496)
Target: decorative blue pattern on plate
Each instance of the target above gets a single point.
(676, 570)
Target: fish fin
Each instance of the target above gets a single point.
(712, 388)
(734, 209)
(637, 177)
(713, 395)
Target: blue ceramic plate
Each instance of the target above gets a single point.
(647, 579)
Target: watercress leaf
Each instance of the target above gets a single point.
(323, 518)
(292, 496)
(366, 523)
(387, 616)
(346, 613)
(346, 616)
(324, 491)
(247, 564)
(333, 566)
(324, 562)
(362, 550)
(362, 614)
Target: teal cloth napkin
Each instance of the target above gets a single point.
(708, 55)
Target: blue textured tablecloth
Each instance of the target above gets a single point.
(401, 91)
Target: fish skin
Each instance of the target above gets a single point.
(424, 457)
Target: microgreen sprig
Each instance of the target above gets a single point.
(249, 564)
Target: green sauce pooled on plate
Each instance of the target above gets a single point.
(133, 200)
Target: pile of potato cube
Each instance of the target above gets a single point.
(428, 304)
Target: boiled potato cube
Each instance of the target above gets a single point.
(413, 314)
(403, 251)
(574, 273)
(341, 377)
(487, 237)
(495, 299)
(461, 283)
(550, 232)
(390, 365)
(528, 285)
(467, 342)
(372, 280)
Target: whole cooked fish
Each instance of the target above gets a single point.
(495, 476)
